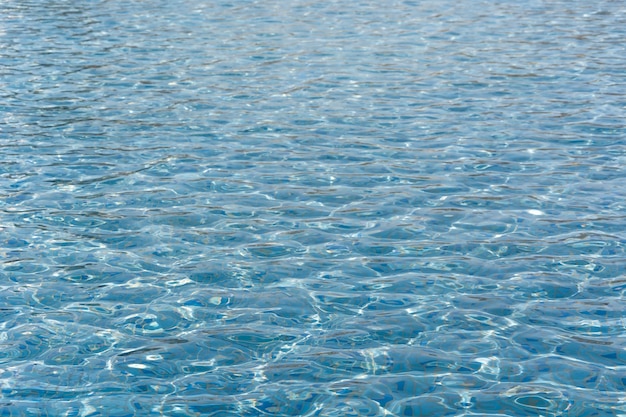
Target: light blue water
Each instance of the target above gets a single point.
(320, 208)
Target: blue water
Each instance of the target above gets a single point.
(312, 208)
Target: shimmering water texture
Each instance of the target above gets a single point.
(312, 208)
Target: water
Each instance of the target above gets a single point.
(281, 208)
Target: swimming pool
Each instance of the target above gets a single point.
(272, 208)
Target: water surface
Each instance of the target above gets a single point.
(281, 208)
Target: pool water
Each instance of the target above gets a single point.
(298, 208)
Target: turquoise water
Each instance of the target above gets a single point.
(298, 208)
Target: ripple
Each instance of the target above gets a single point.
(296, 208)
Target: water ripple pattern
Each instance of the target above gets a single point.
(312, 208)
